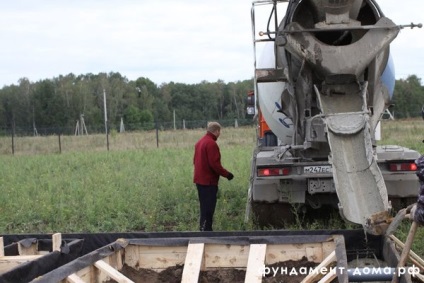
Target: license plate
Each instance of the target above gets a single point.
(317, 169)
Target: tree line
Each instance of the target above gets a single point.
(59, 102)
(408, 98)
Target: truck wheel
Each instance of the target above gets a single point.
(409, 201)
(396, 205)
(273, 215)
(399, 203)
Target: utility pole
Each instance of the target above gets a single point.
(105, 110)
(175, 126)
(122, 126)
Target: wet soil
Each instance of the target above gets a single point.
(174, 274)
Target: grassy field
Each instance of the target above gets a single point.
(133, 187)
(136, 186)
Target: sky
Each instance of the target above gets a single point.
(185, 41)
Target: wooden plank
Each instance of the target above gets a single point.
(314, 252)
(414, 261)
(32, 250)
(158, 249)
(1, 247)
(328, 248)
(87, 274)
(316, 273)
(420, 277)
(132, 255)
(57, 241)
(154, 257)
(193, 263)
(73, 278)
(330, 276)
(9, 262)
(93, 274)
(112, 272)
(119, 263)
(18, 258)
(220, 255)
(413, 256)
(112, 260)
(115, 260)
(406, 249)
(255, 263)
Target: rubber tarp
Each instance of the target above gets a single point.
(355, 239)
(42, 245)
(25, 272)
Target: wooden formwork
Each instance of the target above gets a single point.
(103, 258)
(250, 254)
(25, 260)
(26, 251)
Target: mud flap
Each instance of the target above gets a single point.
(358, 180)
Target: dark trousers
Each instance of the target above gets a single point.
(207, 199)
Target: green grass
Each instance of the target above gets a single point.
(408, 133)
(149, 189)
(136, 186)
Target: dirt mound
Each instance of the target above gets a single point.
(174, 274)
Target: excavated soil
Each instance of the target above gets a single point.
(174, 274)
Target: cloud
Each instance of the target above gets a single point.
(182, 41)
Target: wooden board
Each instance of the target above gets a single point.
(193, 263)
(25, 253)
(255, 263)
(9, 262)
(92, 273)
(154, 257)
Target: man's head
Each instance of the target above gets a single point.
(214, 128)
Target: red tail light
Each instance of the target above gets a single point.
(266, 172)
(403, 167)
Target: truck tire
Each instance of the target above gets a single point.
(399, 203)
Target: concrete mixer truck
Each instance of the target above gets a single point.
(323, 79)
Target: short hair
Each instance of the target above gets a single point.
(213, 127)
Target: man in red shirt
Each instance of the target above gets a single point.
(207, 169)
